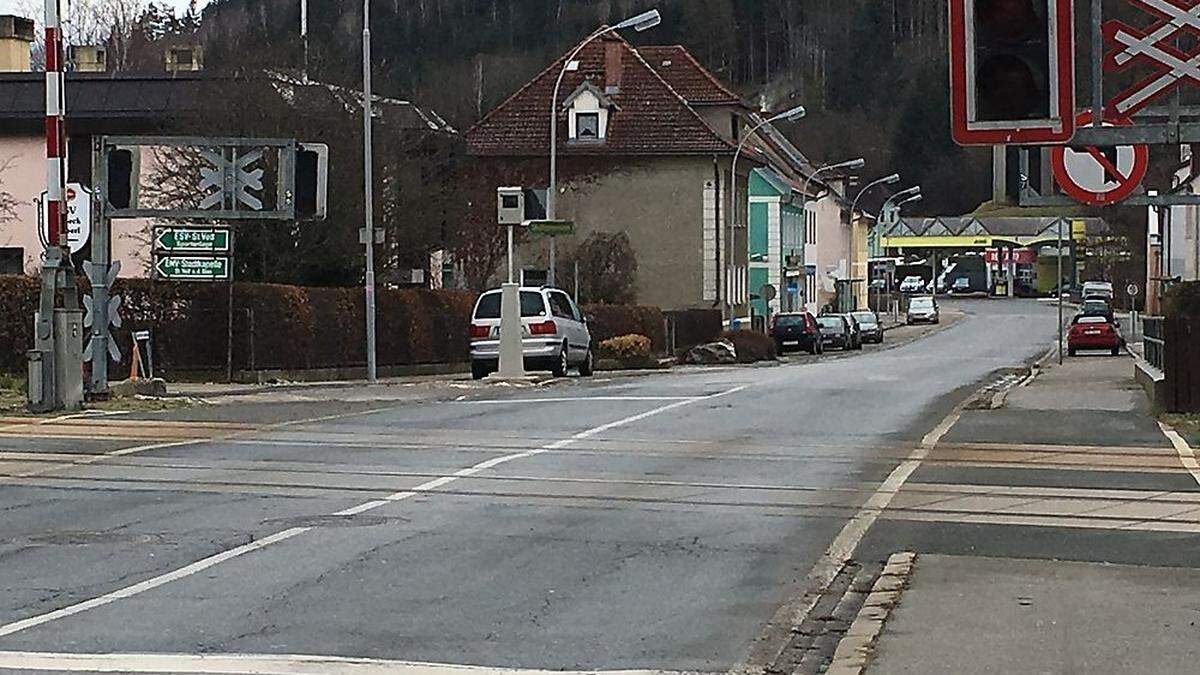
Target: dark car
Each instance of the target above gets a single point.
(796, 330)
(856, 336)
(869, 326)
(835, 332)
(1097, 307)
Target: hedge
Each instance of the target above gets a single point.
(610, 321)
(1182, 299)
(275, 326)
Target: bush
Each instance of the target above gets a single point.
(610, 321)
(626, 348)
(751, 346)
(1182, 299)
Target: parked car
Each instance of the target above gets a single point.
(1097, 289)
(869, 325)
(856, 337)
(912, 284)
(960, 286)
(923, 309)
(554, 333)
(1093, 332)
(835, 332)
(796, 330)
(1095, 306)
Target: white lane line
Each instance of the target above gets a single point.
(256, 664)
(1187, 455)
(575, 399)
(200, 565)
(155, 582)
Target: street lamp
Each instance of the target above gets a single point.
(886, 180)
(848, 165)
(792, 115)
(368, 194)
(641, 22)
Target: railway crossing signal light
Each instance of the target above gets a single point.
(121, 179)
(312, 181)
(1012, 71)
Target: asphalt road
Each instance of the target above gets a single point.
(653, 522)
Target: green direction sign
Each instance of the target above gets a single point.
(551, 228)
(191, 239)
(189, 268)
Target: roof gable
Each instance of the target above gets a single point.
(687, 77)
(648, 118)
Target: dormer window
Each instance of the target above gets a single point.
(587, 126)
(589, 112)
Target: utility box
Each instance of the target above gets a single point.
(510, 205)
(68, 357)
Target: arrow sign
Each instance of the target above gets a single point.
(187, 268)
(191, 240)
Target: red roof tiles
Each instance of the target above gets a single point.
(687, 77)
(649, 117)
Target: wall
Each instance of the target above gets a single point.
(25, 180)
(661, 205)
(832, 246)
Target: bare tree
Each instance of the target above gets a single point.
(110, 23)
(8, 203)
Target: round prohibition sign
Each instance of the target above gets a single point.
(1100, 175)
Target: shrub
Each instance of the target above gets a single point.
(626, 348)
(609, 321)
(1182, 299)
(751, 346)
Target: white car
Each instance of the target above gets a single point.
(913, 284)
(1097, 289)
(554, 333)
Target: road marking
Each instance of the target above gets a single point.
(573, 399)
(260, 664)
(201, 565)
(844, 544)
(1187, 456)
(155, 582)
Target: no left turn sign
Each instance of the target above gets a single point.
(1097, 175)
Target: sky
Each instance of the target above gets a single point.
(20, 6)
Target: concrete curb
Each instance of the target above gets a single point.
(854, 650)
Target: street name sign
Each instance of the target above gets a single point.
(191, 240)
(191, 268)
(550, 228)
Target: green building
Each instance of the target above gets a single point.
(776, 241)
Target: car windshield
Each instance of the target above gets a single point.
(532, 305)
(789, 320)
(865, 318)
(1091, 319)
(921, 303)
(831, 323)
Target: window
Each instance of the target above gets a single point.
(12, 261)
(534, 277)
(489, 305)
(560, 306)
(587, 126)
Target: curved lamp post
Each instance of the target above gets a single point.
(886, 180)
(792, 115)
(641, 22)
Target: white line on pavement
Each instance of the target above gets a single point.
(200, 565)
(255, 664)
(1187, 456)
(573, 399)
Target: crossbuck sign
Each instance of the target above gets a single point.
(1154, 46)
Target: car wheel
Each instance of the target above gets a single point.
(1070, 351)
(479, 370)
(1116, 351)
(561, 365)
(588, 366)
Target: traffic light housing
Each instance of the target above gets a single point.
(1012, 72)
(312, 181)
(122, 184)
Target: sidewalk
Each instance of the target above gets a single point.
(1055, 534)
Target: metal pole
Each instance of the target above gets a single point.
(1097, 65)
(368, 193)
(1060, 295)
(304, 37)
(553, 262)
(229, 315)
(577, 282)
(510, 254)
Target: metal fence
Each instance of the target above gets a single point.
(1153, 338)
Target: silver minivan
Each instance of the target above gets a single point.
(554, 333)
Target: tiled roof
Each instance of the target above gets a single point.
(649, 117)
(686, 76)
(23, 95)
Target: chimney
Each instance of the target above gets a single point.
(16, 34)
(88, 58)
(613, 52)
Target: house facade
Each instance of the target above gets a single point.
(777, 243)
(646, 147)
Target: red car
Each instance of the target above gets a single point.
(1091, 331)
